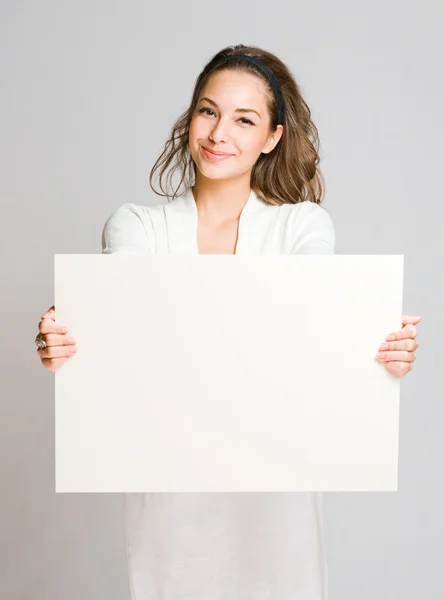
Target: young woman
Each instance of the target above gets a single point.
(246, 152)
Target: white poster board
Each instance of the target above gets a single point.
(215, 373)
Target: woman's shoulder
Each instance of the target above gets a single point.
(309, 229)
(128, 229)
(132, 228)
(130, 211)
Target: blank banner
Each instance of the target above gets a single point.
(227, 373)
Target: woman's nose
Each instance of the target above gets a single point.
(219, 132)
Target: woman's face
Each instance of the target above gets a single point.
(219, 125)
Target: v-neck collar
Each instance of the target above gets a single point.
(182, 221)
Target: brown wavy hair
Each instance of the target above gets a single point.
(289, 173)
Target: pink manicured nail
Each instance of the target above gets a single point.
(390, 337)
(384, 346)
(380, 355)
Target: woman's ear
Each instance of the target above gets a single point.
(273, 139)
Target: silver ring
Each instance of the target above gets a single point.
(39, 341)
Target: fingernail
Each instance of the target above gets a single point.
(71, 340)
(64, 329)
(390, 337)
(380, 355)
(384, 346)
(73, 350)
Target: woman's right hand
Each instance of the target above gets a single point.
(59, 345)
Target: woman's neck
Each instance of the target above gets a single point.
(220, 200)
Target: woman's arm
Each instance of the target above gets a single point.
(310, 230)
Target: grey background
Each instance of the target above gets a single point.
(89, 91)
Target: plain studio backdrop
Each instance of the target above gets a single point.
(89, 92)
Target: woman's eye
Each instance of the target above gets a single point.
(209, 110)
(204, 109)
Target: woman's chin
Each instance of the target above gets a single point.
(214, 172)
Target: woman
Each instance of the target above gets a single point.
(246, 153)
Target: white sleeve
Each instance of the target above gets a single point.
(310, 229)
(125, 231)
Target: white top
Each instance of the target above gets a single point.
(220, 546)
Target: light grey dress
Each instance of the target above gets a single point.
(224, 546)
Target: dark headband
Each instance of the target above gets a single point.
(265, 70)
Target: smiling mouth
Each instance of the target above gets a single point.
(210, 155)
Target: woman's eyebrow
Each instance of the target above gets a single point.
(242, 110)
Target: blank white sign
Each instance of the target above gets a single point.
(215, 373)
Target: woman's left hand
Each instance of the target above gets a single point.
(398, 352)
